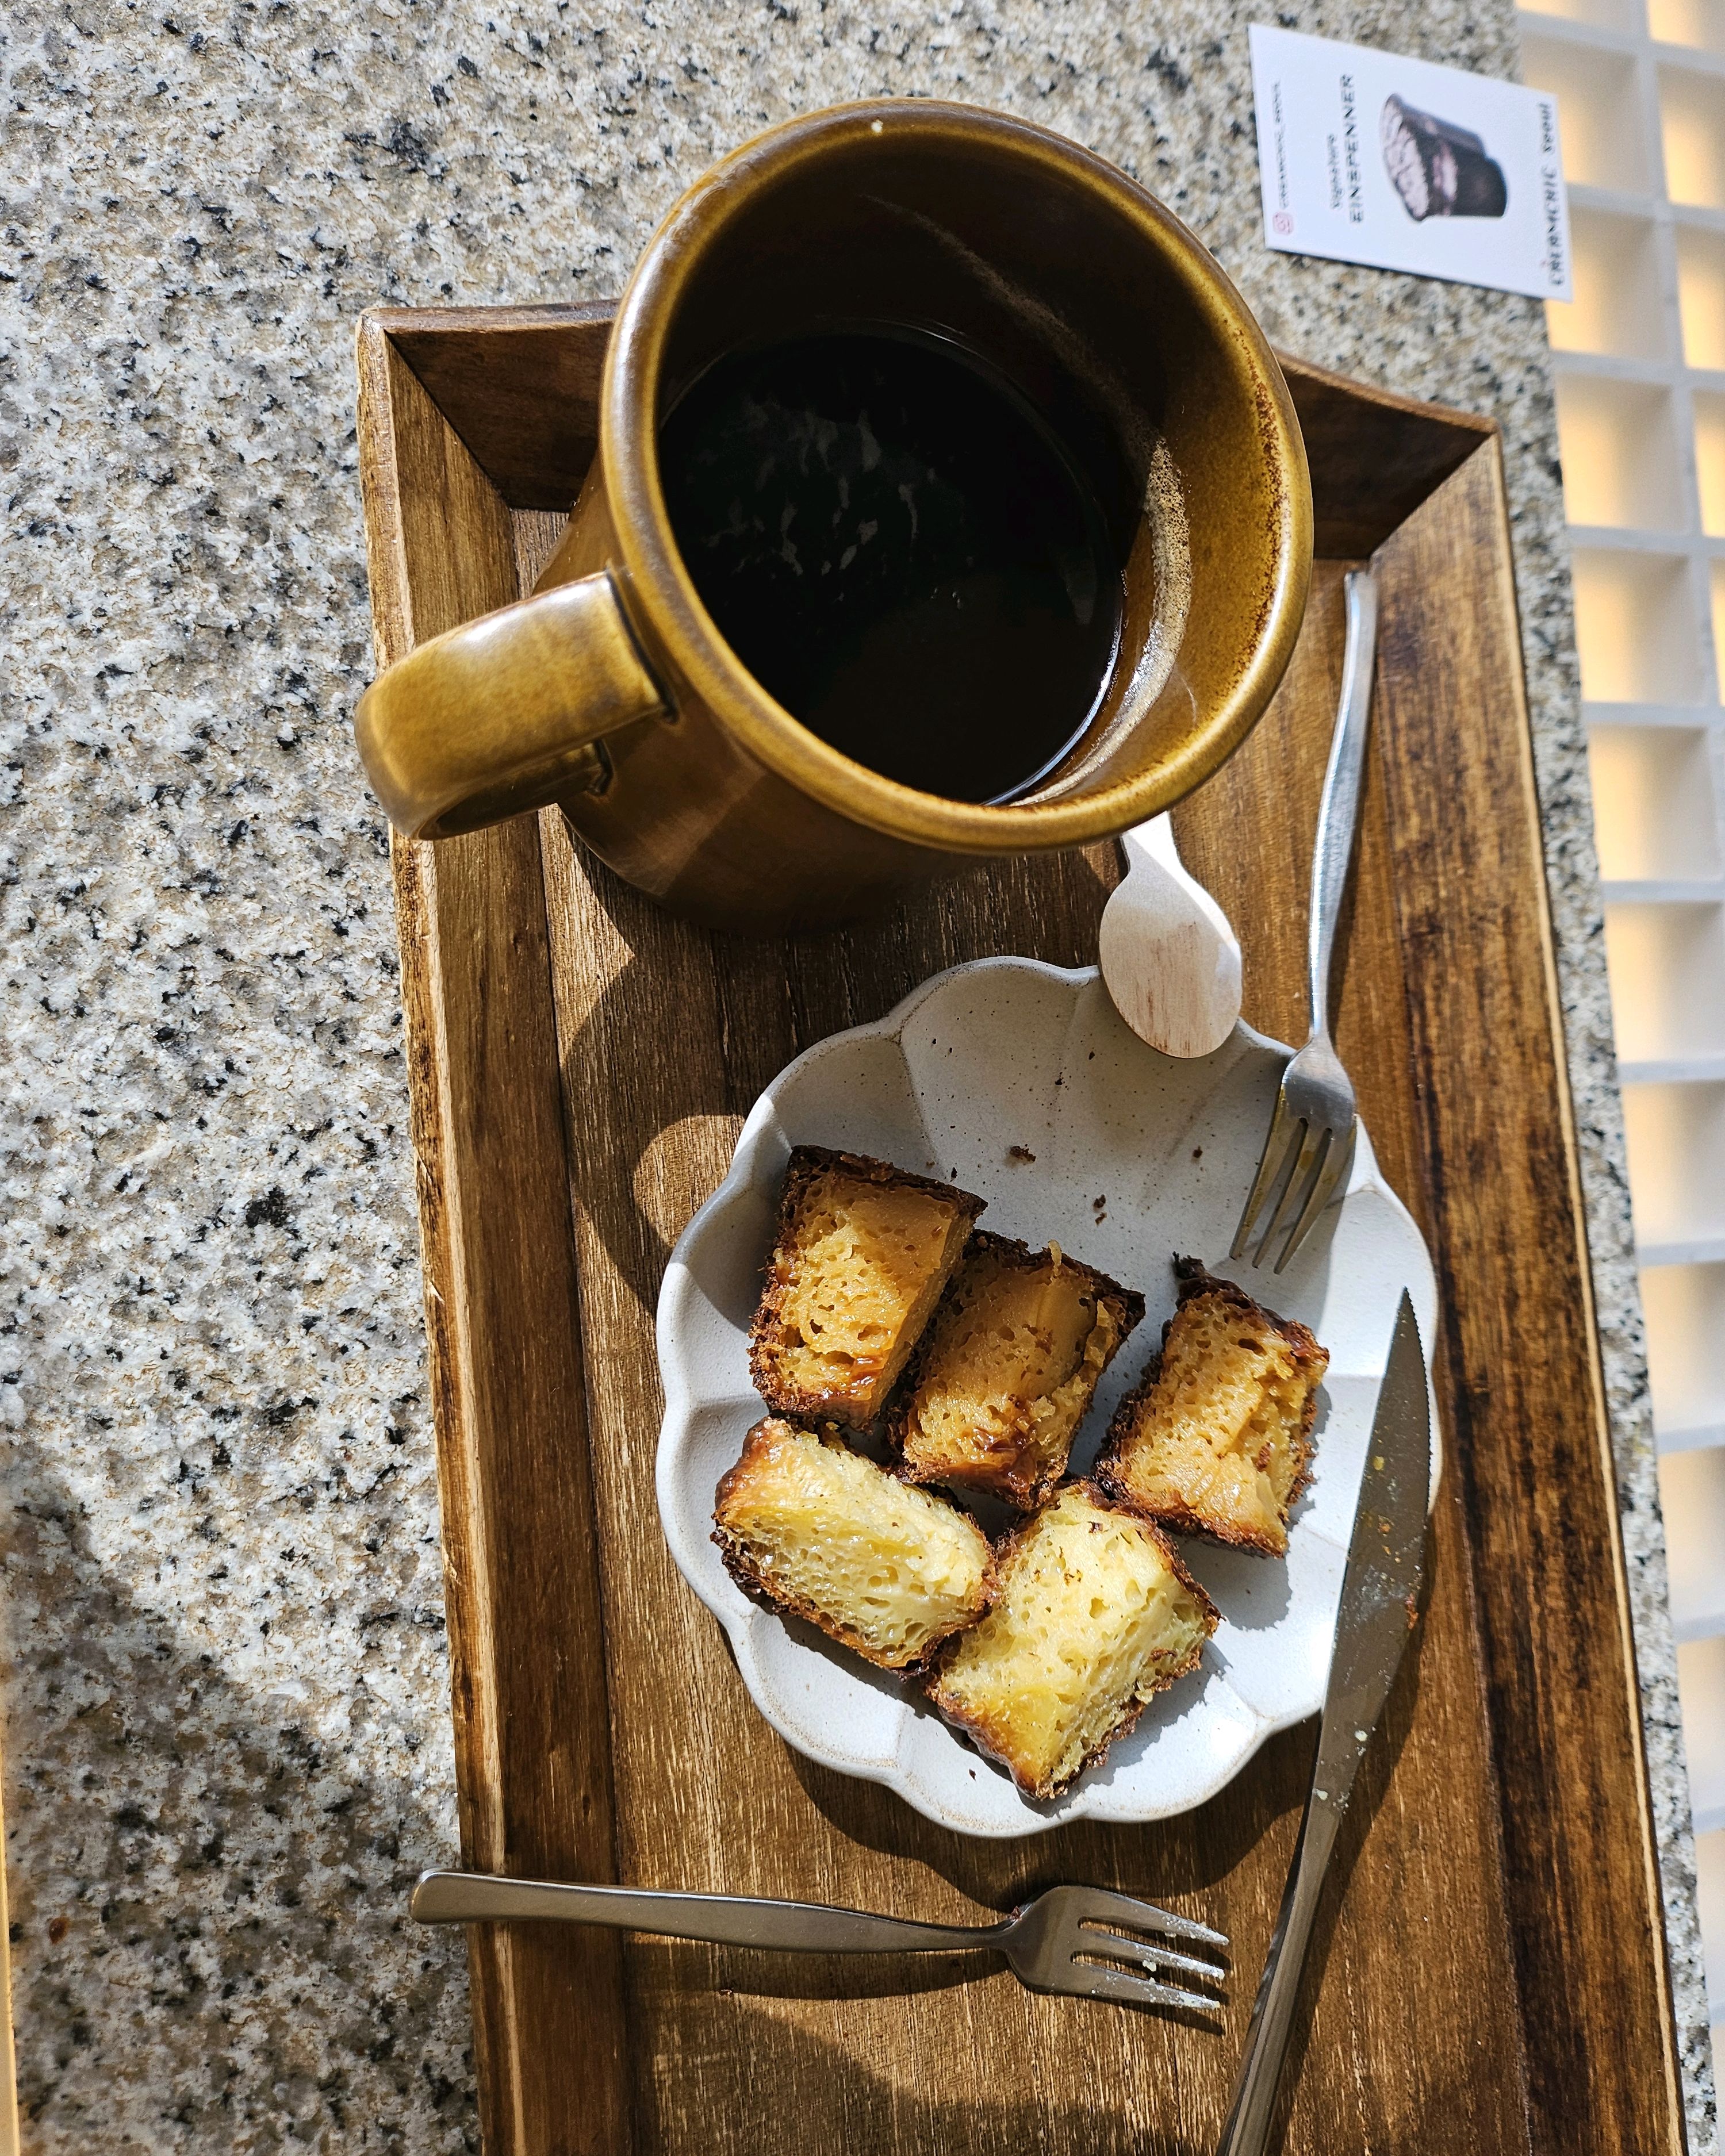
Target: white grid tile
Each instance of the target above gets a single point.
(1640, 360)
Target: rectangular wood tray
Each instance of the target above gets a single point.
(1490, 1974)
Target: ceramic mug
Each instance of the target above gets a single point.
(611, 693)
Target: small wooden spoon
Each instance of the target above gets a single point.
(1168, 956)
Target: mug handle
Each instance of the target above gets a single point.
(503, 713)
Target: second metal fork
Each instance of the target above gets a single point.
(1311, 1142)
(1078, 1939)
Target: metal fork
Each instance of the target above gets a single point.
(1077, 1939)
(1311, 1142)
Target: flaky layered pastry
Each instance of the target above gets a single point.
(1093, 1615)
(820, 1532)
(862, 1255)
(1216, 1439)
(1007, 1369)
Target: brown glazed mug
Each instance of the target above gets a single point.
(611, 693)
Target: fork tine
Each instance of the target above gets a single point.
(1279, 1141)
(1143, 1953)
(1313, 1144)
(1094, 1980)
(1101, 1906)
(1338, 1158)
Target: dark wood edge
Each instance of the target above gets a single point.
(1556, 2104)
(1645, 1829)
(533, 1991)
(473, 1701)
(1374, 456)
(1480, 426)
(398, 322)
(393, 321)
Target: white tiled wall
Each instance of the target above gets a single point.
(1640, 364)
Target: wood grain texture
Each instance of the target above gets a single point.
(1525, 1391)
(1490, 1948)
(1375, 456)
(502, 1323)
(519, 387)
(777, 2054)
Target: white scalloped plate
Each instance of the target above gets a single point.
(1003, 1053)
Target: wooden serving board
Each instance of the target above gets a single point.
(1490, 1972)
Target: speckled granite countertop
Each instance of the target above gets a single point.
(227, 1730)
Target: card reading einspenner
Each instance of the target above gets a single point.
(1366, 157)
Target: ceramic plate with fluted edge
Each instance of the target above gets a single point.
(973, 1071)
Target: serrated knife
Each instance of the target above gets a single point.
(1380, 1589)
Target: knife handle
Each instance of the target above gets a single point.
(1247, 2132)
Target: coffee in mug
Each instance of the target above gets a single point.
(948, 504)
(901, 551)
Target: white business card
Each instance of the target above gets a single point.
(1366, 157)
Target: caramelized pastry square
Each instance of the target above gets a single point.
(1008, 1368)
(806, 1524)
(1093, 1615)
(1216, 1439)
(861, 1257)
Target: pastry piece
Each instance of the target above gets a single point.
(1217, 1438)
(862, 1254)
(1093, 1615)
(814, 1528)
(1008, 1368)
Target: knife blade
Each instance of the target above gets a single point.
(1378, 1608)
(1386, 1565)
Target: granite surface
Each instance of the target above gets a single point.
(227, 1741)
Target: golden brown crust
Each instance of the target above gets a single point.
(1026, 1479)
(756, 1440)
(807, 1161)
(977, 1726)
(743, 1567)
(1106, 1502)
(1128, 1303)
(737, 1562)
(1196, 1282)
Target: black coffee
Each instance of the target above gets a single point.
(901, 552)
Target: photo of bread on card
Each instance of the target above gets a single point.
(1216, 1439)
(861, 1255)
(1009, 1366)
(1093, 1614)
(820, 1532)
